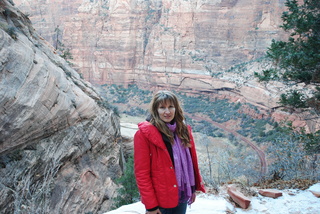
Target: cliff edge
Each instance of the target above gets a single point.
(59, 141)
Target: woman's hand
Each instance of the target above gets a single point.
(157, 211)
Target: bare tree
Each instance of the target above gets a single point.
(31, 191)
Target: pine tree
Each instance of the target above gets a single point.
(298, 59)
(128, 192)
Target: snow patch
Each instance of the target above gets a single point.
(292, 201)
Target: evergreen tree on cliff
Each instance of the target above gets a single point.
(298, 61)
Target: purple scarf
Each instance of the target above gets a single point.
(183, 167)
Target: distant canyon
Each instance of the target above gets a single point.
(194, 46)
(136, 40)
(61, 147)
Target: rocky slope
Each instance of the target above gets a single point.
(59, 141)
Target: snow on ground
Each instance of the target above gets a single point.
(291, 202)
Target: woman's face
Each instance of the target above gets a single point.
(166, 111)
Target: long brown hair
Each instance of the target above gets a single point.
(181, 128)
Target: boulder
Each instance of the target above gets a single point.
(238, 197)
(272, 193)
(315, 193)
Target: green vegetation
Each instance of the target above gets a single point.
(217, 110)
(12, 31)
(298, 59)
(242, 67)
(128, 192)
(118, 94)
(135, 111)
(278, 138)
(106, 105)
(207, 128)
(60, 47)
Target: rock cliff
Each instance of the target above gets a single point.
(59, 141)
(196, 46)
(122, 41)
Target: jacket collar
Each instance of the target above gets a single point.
(152, 134)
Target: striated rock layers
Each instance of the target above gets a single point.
(196, 46)
(59, 141)
(133, 41)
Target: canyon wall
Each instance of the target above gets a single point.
(59, 140)
(195, 46)
(135, 40)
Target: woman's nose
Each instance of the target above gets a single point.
(166, 110)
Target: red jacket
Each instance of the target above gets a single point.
(154, 169)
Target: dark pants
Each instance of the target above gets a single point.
(180, 209)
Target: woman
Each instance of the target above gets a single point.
(165, 160)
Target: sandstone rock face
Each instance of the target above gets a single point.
(59, 141)
(122, 41)
(194, 46)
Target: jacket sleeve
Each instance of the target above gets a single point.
(142, 170)
(198, 178)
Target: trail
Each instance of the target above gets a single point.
(261, 155)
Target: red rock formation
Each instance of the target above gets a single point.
(168, 44)
(273, 193)
(120, 41)
(238, 197)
